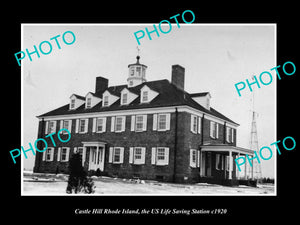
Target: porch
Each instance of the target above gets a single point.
(94, 154)
(217, 165)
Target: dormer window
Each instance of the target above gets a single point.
(76, 101)
(145, 96)
(108, 99)
(72, 104)
(91, 100)
(124, 98)
(105, 101)
(88, 102)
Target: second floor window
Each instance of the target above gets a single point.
(119, 123)
(81, 125)
(162, 121)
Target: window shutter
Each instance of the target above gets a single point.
(52, 154)
(67, 154)
(192, 123)
(110, 157)
(232, 135)
(153, 156)
(44, 155)
(143, 155)
(121, 155)
(54, 125)
(58, 154)
(199, 124)
(112, 125)
(144, 122)
(104, 124)
(198, 159)
(86, 125)
(154, 121)
(217, 130)
(166, 162)
(123, 123)
(77, 126)
(168, 121)
(70, 125)
(46, 127)
(61, 125)
(83, 155)
(94, 124)
(130, 155)
(132, 123)
(211, 131)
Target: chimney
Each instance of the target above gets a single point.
(101, 84)
(178, 76)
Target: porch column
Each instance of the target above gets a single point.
(97, 153)
(230, 165)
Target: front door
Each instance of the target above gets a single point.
(96, 160)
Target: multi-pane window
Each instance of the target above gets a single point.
(138, 71)
(137, 153)
(72, 103)
(124, 98)
(105, 100)
(139, 123)
(162, 121)
(117, 154)
(229, 134)
(194, 124)
(88, 102)
(132, 71)
(51, 126)
(82, 125)
(100, 124)
(160, 154)
(119, 123)
(63, 154)
(49, 154)
(194, 158)
(214, 130)
(145, 96)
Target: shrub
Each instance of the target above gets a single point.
(78, 180)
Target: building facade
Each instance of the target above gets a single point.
(148, 130)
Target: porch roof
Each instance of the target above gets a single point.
(226, 148)
(93, 144)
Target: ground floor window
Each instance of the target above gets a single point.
(160, 156)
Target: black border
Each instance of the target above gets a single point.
(243, 207)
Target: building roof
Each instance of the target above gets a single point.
(169, 95)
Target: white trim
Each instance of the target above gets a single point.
(168, 109)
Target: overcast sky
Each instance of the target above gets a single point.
(215, 57)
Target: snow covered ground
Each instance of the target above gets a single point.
(50, 184)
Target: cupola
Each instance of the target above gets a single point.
(137, 73)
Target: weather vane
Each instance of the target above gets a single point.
(138, 50)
